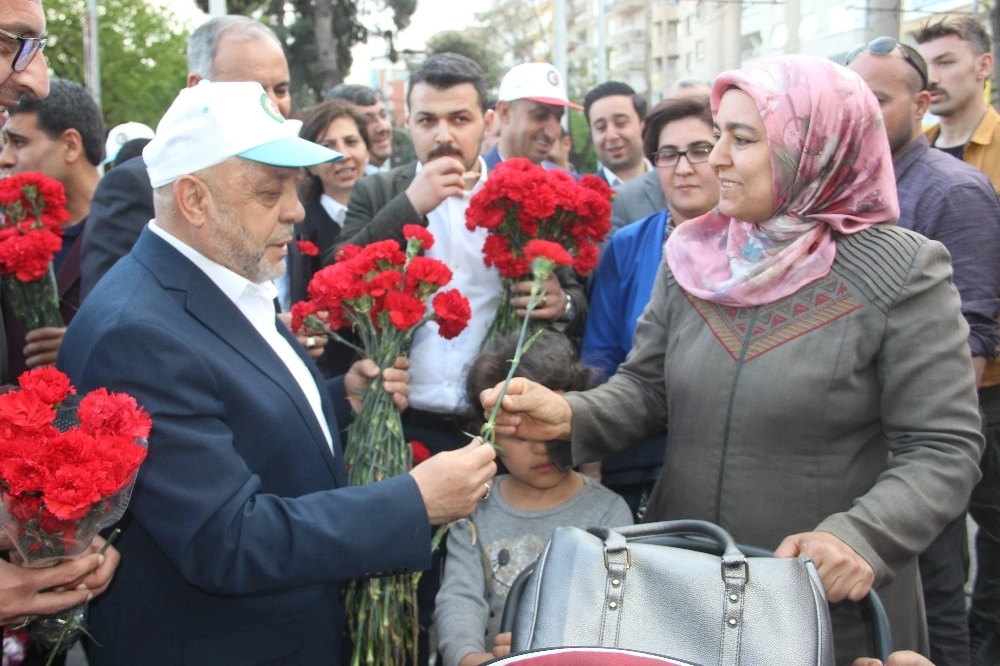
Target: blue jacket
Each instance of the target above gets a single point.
(622, 285)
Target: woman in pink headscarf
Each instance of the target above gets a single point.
(808, 355)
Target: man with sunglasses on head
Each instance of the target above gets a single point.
(953, 203)
(959, 55)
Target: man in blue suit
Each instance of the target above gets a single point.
(241, 532)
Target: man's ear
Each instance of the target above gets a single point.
(193, 80)
(921, 101)
(984, 66)
(193, 200)
(72, 144)
(503, 112)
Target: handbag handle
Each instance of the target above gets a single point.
(684, 529)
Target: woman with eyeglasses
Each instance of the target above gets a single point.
(806, 356)
(678, 137)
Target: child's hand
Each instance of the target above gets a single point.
(501, 644)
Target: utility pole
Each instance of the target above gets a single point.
(91, 53)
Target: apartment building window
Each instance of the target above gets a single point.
(673, 65)
(699, 50)
(688, 62)
(672, 27)
(689, 22)
(699, 8)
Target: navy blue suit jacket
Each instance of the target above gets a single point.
(240, 531)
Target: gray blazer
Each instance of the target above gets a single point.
(637, 199)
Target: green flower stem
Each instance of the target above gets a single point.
(36, 303)
(541, 269)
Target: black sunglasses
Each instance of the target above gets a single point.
(27, 48)
(883, 46)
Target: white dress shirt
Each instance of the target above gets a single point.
(336, 210)
(614, 181)
(438, 366)
(256, 303)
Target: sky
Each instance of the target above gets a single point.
(430, 18)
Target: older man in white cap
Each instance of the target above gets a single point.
(240, 532)
(530, 106)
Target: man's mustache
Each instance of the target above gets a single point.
(442, 151)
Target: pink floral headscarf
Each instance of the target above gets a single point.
(832, 171)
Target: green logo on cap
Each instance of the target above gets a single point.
(270, 109)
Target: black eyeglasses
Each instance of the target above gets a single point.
(27, 48)
(696, 153)
(883, 46)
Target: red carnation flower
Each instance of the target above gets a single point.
(24, 507)
(383, 282)
(405, 310)
(307, 248)
(28, 255)
(542, 249)
(380, 253)
(587, 257)
(419, 451)
(70, 492)
(299, 312)
(424, 271)
(25, 410)
(452, 312)
(103, 413)
(420, 234)
(48, 383)
(23, 475)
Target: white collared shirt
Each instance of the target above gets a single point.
(256, 302)
(438, 366)
(614, 181)
(336, 210)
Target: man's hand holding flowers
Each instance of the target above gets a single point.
(28, 592)
(395, 381)
(43, 345)
(551, 307)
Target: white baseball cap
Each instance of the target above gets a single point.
(537, 81)
(122, 134)
(211, 122)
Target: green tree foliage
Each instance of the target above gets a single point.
(142, 54)
(319, 34)
(471, 44)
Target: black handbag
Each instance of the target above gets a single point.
(682, 589)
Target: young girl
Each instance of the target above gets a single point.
(509, 529)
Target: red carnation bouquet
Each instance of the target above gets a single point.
(382, 292)
(522, 201)
(67, 467)
(34, 210)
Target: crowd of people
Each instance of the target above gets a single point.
(792, 333)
